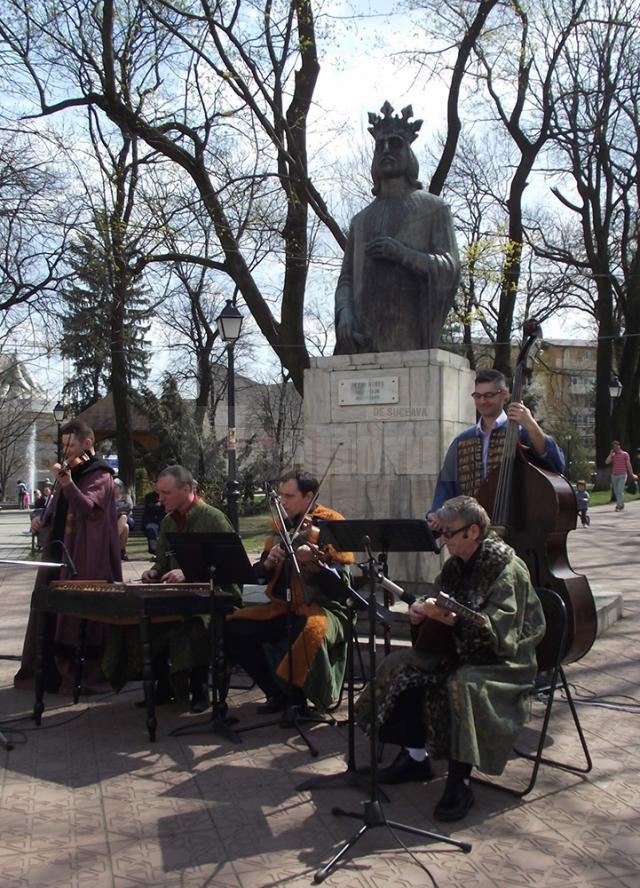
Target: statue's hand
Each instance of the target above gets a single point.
(387, 248)
(349, 340)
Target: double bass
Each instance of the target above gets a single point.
(534, 509)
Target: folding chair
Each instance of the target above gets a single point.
(550, 653)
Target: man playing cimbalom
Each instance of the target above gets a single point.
(180, 650)
(621, 469)
(477, 450)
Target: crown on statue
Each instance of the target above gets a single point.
(394, 125)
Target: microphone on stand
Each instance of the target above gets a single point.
(397, 591)
(69, 560)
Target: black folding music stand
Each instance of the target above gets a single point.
(219, 559)
(385, 535)
(399, 535)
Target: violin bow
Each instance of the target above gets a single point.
(316, 495)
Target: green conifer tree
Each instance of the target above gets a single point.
(86, 318)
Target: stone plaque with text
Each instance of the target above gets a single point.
(371, 390)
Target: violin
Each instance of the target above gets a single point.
(68, 464)
(307, 534)
(65, 466)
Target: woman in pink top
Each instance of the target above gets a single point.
(620, 470)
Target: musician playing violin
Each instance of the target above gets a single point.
(477, 450)
(466, 700)
(319, 615)
(81, 519)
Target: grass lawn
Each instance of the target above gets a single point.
(254, 529)
(604, 497)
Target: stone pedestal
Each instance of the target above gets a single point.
(391, 450)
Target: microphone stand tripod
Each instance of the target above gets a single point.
(374, 815)
(294, 714)
(350, 777)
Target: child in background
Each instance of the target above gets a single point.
(582, 497)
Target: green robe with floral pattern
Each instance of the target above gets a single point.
(475, 696)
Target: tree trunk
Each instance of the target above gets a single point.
(604, 363)
(120, 387)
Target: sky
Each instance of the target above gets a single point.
(361, 67)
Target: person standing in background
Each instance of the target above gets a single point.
(621, 468)
(124, 509)
(80, 523)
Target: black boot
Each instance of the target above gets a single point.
(404, 769)
(458, 796)
(199, 689)
(276, 703)
(162, 690)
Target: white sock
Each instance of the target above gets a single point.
(418, 755)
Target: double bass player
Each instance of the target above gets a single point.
(478, 449)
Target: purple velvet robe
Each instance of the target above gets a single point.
(91, 538)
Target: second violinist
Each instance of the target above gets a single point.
(256, 637)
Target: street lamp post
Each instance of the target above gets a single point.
(59, 412)
(615, 389)
(229, 323)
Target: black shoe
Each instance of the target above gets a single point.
(404, 769)
(199, 699)
(455, 803)
(124, 556)
(296, 708)
(162, 694)
(277, 703)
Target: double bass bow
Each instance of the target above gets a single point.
(534, 509)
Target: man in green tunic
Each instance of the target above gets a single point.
(180, 649)
(462, 693)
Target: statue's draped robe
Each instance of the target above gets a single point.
(400, 307)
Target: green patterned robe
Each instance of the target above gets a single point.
(475, 699)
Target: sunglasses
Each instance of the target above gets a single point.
(449, 534)
(477, 396)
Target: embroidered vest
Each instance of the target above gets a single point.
(470, 470)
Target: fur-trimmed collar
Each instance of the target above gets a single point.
(472, 588)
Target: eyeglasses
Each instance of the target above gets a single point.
(449, 534)
(477, 396)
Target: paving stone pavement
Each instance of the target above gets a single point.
(88, 802)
